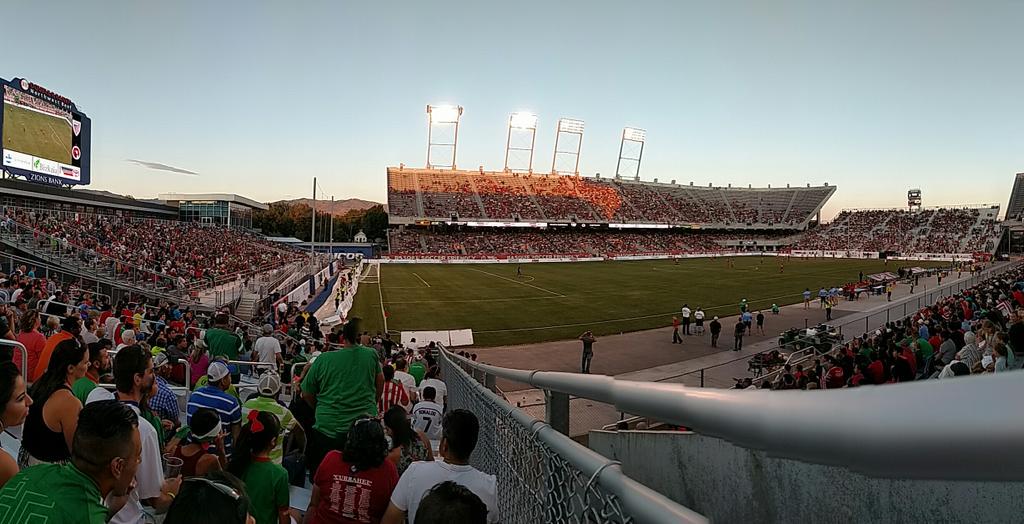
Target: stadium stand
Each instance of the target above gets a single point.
(193, 254)
(943, 230)
(501, 196)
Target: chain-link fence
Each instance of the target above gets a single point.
(542, 475)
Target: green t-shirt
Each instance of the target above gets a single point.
(154, 420)
(284, 416)
(82, 387)
(267, 486)
(222, 343)
(344, 384)
(925, 348)
(417, 370)
(51, 494)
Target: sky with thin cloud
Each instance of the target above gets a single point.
(256, 98)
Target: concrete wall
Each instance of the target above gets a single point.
(727, 484)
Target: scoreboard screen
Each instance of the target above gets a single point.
(45, 138)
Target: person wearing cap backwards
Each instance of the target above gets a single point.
(269, 387)
(213, 395)
(165, 402)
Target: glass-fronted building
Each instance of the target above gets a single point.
(214, 208)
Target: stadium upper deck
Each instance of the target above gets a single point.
(426, 194)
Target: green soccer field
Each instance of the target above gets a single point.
(555, 301)
(36, 134)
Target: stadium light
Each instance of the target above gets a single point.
(443, 115)
(520, 120)
(570, 125)
(636, 135)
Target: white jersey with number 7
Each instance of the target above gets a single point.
(426, 417)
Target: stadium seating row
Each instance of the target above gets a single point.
(429, 193)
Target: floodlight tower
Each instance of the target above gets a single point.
(445, 117)
(914, 200)
(568, 126)
(636, 136)
(522, 123)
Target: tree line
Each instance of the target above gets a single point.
(286, 219)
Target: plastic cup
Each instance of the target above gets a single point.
(172, 466)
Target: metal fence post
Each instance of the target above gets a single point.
(556, 411)
(701, 377)
(490, 383)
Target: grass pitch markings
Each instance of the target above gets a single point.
(628, 319)
(421, 279)
(518, 282)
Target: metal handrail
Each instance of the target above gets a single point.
(643, 503)
(839, 427)
(24, 355)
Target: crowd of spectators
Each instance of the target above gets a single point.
(944, 230)
(976, 331)
(17, 97)
(561, 242)
(322, 415)
(520, 196)
(184, 254)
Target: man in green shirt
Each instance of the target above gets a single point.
(342, 385)
(417, 370)
(99, 365)
(269, 387)
(221, 341)
(106, 452)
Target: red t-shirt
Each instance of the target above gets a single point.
(349, 498)
(835, 378)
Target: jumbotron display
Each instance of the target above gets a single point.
(45, 137)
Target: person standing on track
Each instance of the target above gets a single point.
(738, 330)
(588, 340)
(807, 297)
(676, 339)
(760, 322)
(716, 329)
(686, 319)
(698, 316)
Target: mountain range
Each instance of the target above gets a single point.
(338, 207)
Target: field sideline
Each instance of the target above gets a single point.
(555, 301)
(36, 134)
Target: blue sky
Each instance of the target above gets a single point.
(257, 97)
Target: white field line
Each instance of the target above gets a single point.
(421, 280)
(383, 314)
(518, 282)
(541, 328)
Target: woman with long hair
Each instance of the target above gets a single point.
(53, 418)
(354, 486)
(407, 444)
(266, 482)
(201, 445)
(30, 336)
(16, 404)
